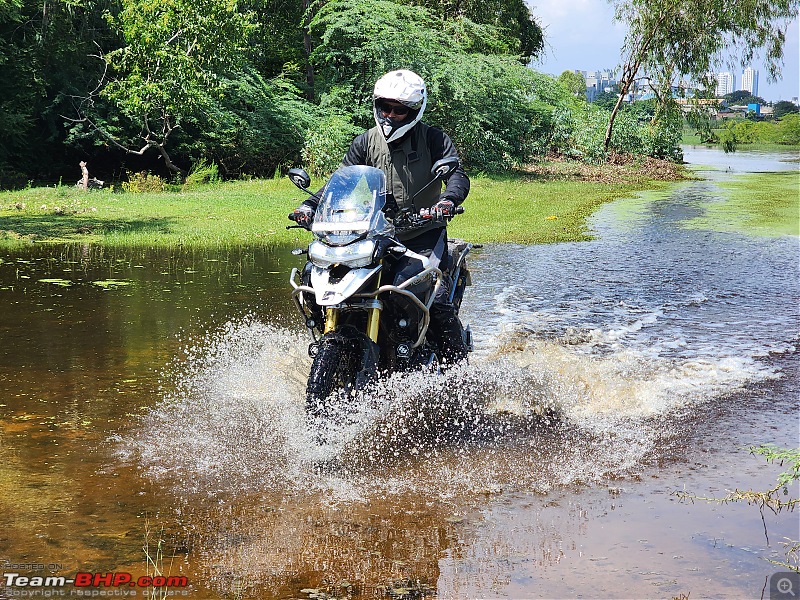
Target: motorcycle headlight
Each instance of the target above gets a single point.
(340, 238)
(357, 254)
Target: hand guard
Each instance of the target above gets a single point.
(303, 215)
(443, 209)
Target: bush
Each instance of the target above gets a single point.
(201, 173)
(788, 129)
(327, 143)
(590, 130)
(661, 137)
(142, 182)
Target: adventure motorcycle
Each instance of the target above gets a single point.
(361, 324)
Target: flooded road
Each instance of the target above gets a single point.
(159, 395)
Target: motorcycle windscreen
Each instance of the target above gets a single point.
(352, 205)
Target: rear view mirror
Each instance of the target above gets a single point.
(444, 167)
(300, 178)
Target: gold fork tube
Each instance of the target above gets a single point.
(374, 316)
(331, 319)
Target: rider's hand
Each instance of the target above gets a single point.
(303, 215)
(443, 209)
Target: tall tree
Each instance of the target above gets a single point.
(489, 103)
(512, 17)
(669, 39)
(574, 83)
(44, 56)
(171, 70)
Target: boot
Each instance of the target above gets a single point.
(448, 332)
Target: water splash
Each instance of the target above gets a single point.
(531, 415)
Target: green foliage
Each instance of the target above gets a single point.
(257, 126)
(45, 48)
(662, 136)
(574, 83)
(744, 131)
(742, 98)
(519, 32)
(702, 119)
(496, 110)
(590, 128)
(140, 183)
(781, 455)
(169, 70)
(671, 39)
(606, 100)
(788, 130)
(202, 173)
(784, 107)
(229, 84)
(327, 142)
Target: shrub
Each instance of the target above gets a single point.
(202, 173)
(142, 182)
(327, 143)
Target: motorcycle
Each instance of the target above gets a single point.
(361, 324)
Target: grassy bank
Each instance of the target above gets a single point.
(756, 204)
(543, 204)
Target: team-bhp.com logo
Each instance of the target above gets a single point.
(92, 580)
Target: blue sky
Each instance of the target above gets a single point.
(581, 34)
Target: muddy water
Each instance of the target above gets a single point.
(158, 395)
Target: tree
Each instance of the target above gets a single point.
(670, 39)
(168, 73)
(736, 97)
(606, 100)
(742, 98)
(482, 96)
(44, 48)
(574, 83)
(784, 107)
(511, 17)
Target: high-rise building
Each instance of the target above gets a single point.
(750, 81)
(726, 83)
(597, 82)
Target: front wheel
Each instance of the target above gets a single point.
(334, 370)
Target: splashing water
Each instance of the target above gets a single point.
(527, 417)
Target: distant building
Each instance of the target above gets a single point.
(750, 81)
(726, 84)
(597, 82)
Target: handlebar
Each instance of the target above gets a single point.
(404, 221)
(408, 222)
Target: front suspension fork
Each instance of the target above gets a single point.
(373, 317)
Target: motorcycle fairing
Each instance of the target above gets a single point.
(329, 293)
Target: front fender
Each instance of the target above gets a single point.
(329, 293)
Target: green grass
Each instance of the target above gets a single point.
(523, 209)
(765, 204)
(534, 211)
(227, 214)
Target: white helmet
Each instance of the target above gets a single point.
(407, 88)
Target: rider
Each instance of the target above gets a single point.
(405, 149)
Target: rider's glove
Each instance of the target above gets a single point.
(443, 209)
(303, 215)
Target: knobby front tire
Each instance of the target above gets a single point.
(333, 370)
